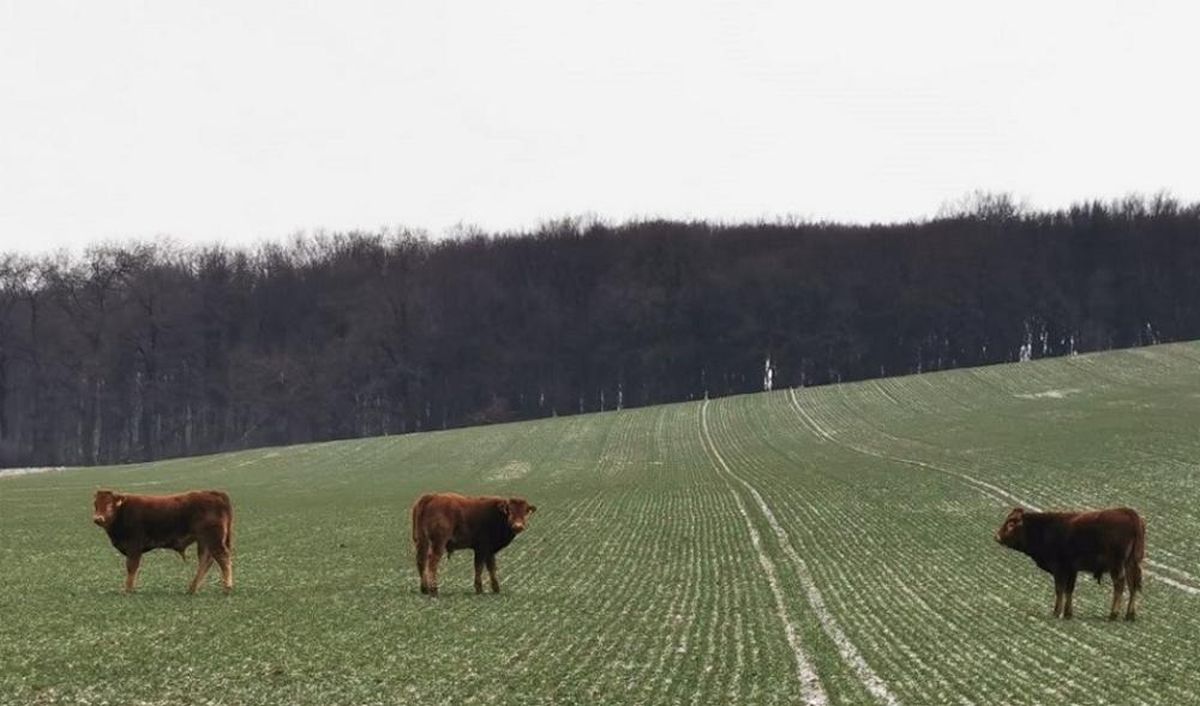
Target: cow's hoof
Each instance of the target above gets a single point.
(1067, 616)
(1131, 617)
(1112, 616)
(424, 590)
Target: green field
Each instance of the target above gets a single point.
(828, 545)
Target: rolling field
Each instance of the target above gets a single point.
(829, 545)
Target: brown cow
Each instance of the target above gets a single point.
(137, 524)
(444, 522)
(1109, 541)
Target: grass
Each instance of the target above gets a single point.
(824, 545)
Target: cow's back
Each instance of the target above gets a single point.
(186, 510)
(1121, 525)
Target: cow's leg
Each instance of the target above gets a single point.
(1067, 607)
(1059, 590)
(204, 562)
(478, 572)
(1118, 579)
(431, 567)
(225, 561)
(422, 550)
(132, 562)
(491, 567)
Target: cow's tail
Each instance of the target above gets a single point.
(227, 536)
(417, 511)
(228, 539)
(1137, 552)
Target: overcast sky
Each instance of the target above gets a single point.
(243, 121)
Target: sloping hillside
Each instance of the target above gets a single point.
(823, 545)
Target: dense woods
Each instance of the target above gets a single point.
(141, 351)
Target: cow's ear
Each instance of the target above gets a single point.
(119, 501)
(532, 509)
(1018, 512)
(505, 508)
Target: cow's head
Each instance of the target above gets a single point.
(516, 512)
(1012, 533)
(105, 506)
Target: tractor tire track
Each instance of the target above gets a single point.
(810, 683)
(849, 653)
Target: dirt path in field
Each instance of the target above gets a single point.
(990, 490)
(849, 653)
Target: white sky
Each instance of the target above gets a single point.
(242, 121)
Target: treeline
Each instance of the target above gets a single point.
(143, 351)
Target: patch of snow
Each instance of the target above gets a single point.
(5, 472)
(1049, 394)
(510, 471)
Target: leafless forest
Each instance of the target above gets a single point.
(137, 352)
